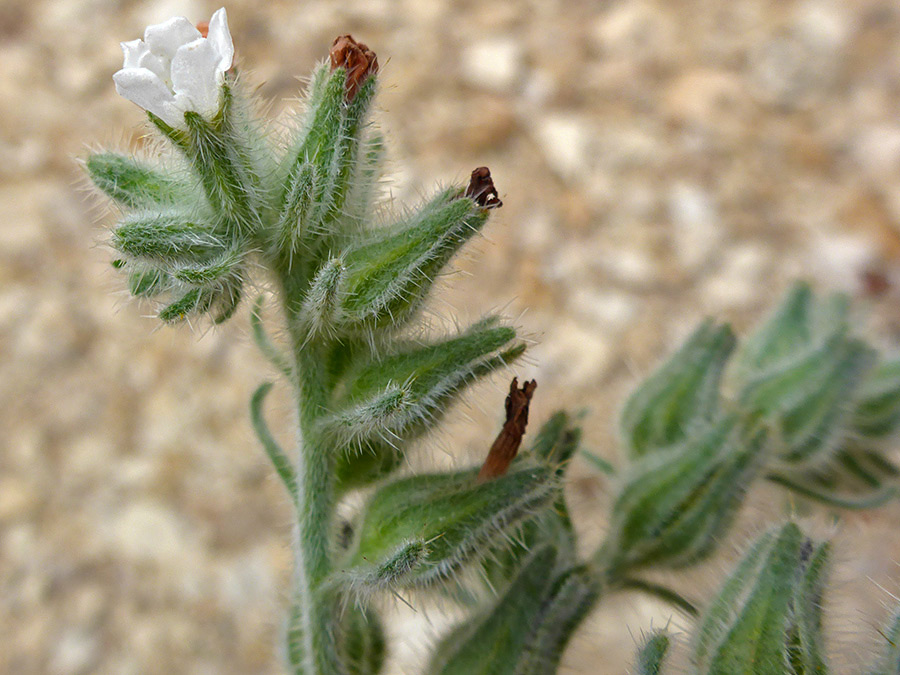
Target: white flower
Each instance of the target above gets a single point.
(175, 69)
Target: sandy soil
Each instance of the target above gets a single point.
(659, 162)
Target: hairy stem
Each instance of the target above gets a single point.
(316, 607)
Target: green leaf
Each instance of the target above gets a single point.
(680, 395)
(419, 530)
(283, 466)
(493, 642)
(133, 183)
(264, 343)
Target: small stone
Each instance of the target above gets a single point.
(149, 531)
(696, 230)
(493, 64)
(564, 142)
(635, 30)
(572, 354)
(74, 652)
(736, 283)
(609, 311)
(877, 149)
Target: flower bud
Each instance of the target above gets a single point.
(767, 616)
(674, 506)
(394, 396)
(681, 395)
(417, 531)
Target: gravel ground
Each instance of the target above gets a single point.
(658, 161)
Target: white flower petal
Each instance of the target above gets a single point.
(165, 38)
(220, 37)
(195, 76)
(143, 87)
(133, 51)
(156, 65)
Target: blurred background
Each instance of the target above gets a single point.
(659, 161)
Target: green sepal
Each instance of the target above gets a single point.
(805, 647)
(554, 444)
(680, 395)
(572, 596)
(493, 643)
(367, 462)
(780, 337)
(321, 171)
(806, 399)
(390, 273)
(220, 156)
(147, 282)
(361, 645)
(652, 653)
(194, 301)
(417, 531)
(557, 440)
(224, 268)
(398, 395)
(877, 414)
(767, 618)
(674, 506)
(133, 183)
(166, 238)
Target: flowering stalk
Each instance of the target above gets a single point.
(808, 405)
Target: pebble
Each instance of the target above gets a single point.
(563, 140)
(494, 64)
(696, 225)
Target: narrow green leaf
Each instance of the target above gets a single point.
(264, 343)
(283, 466)
(857, 502)
(663, 593)
(877, 413)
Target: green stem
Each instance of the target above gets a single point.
(315, 611)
